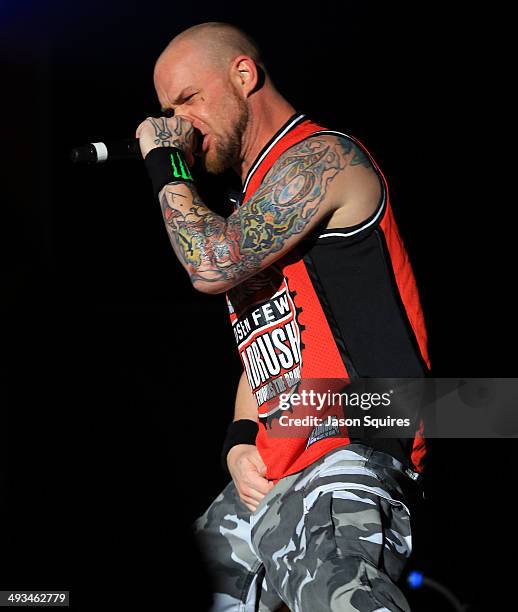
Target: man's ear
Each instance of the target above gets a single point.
(245, 74)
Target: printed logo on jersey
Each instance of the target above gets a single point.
(268, 337)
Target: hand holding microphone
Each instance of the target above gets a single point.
(165, 143)
(153, 132)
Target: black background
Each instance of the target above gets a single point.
(119, 377)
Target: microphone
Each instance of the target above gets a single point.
(99, 152)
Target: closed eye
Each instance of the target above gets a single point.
(169, 112)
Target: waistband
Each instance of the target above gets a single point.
(384, 459)
(389, 470)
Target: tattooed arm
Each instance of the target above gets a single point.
(307, 183)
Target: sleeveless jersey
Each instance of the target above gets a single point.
(342, 304)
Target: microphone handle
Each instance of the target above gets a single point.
(99, 152)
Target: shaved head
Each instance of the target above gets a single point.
(217, 43)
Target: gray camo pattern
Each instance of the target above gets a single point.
(334, 537)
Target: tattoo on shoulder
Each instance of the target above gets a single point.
(288, 197)
(358, 157)
(215, 249)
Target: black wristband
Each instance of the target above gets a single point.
(165, 165)
(243, 431)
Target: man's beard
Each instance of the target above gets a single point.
(228, 148)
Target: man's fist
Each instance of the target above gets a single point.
(166, 132)
(248, 470)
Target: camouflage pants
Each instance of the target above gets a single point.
(335, 536)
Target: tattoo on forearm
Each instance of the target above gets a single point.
(215, 249)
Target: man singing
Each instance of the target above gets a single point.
(319, 288)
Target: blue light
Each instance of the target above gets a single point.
(415, 579)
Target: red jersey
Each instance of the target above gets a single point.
(343, 304)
